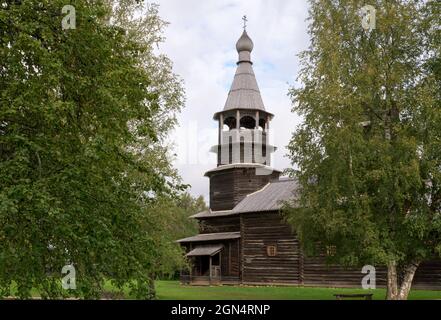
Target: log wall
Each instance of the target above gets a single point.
(317, 272)
(229, 187)
(247, 258)
(219, 224)
(260, 230)
(231, 259)
(428, 276)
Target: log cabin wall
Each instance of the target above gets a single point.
(428, 276)
(318, 272)
(231, 259)
(290, 266)
(222, 190)
(228, 187)
(220, 224)
(260, 230)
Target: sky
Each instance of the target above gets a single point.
(200, 40)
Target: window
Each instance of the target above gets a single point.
(271, 251)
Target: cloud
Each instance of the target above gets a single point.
(201, 40)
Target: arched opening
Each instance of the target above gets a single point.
(229, 123)
(247, 122)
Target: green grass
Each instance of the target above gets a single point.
(172, 290)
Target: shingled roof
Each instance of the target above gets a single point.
(244, 92)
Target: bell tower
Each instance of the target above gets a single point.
(243, 149)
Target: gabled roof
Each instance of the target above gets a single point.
(269, 198)
(211, 237)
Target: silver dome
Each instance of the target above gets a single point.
(244, 43)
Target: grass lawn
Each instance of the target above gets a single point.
(172, 290)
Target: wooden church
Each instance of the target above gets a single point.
(243, 238)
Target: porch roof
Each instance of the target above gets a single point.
(205, 250)
(211, 237)
(212, 214)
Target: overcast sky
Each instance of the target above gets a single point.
(201, 40)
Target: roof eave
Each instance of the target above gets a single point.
(216, 115)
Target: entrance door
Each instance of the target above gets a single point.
(201, 266)
(215, 267)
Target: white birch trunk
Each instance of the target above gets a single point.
(409, 273)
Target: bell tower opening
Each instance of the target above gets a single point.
(247, 122)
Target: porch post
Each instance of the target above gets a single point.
(257, 120)
(220, 266)
(221, 128)
(192, 262)
(191, 268)
(237, 119)
(210, 269)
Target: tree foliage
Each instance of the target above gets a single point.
(177, 224)
(368, 153)
(83, 118)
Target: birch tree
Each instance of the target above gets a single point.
(368, 153)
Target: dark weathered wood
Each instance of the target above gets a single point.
(259, 231)
(428, 275)
(220, 224)
(246, 258)
(228, 187)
